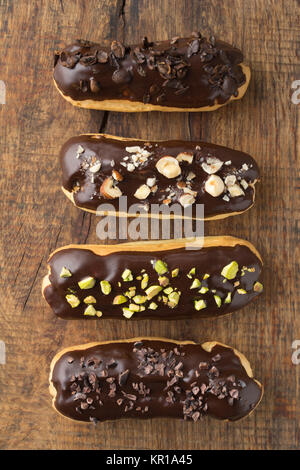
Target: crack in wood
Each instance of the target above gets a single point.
(32, 284)
(104, 122)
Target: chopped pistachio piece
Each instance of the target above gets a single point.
(206, 276)
(127, 275)
(138, 278)
(228, 298)
(153, 306)
(203, 290)
(139, 299)
(127, 313)
(196, 283)
(230, 270)
(87, 283)
(105, 287)
(168, 290)
(191, 273)
(65, 272)
(134, 308)
(90, 310)
(218, 300)
(164, 281)
(145, 281)
(165, 299)
(130, 293)
(73, 300)
(119, 284)
(173, 299)
(119, 299)
(152, 291)
(199, 304)
(175, 272)
(99, 313)
(258, 287)
(160, 267)
(89, 300)
(242, 291)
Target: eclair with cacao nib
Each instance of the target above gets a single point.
(160, 179)
(165, 280)
(181, 74)
(151, 378)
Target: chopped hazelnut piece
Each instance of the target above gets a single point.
(168, 167)
(108, 189)
(186, 200)
(214, 186)
(185, 157)
(151, 182)
(117, 176)
(212, 165)
(142, 192)
(230, 180)
(235, 190)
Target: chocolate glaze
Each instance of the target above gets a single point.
(190, 73)
(83, 263)
(88, 382)
(109, 151)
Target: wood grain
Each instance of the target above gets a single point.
(36, 217)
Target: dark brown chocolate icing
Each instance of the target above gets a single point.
(185, 73)
(82, 153)
(153, 378)
(83, 263)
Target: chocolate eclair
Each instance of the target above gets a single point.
(181, 74)
(151, 378)
(159, 178)
(164, 280)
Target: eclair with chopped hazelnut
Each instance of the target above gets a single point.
(146, 378)
(181, 74)
(159, 178)
(164, 280)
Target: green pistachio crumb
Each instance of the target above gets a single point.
(127, 313)
(168, 290)
(218, 300)
(65, 272)
(196, 283)
(73, 300)
(99, 313)
(230, 270)
(152, 291)
(89, 300)
(228, 298)
(203, 290)
(134, 307)
(153, 306)
(90, 311)
(139, 299)
(87, 283)
(139, 278)
(145, 281)
(173, 299)
(175, 272)
(242, 291)
(127, 275)
(119, 299)
(199, 304)
(258, 287)
(206, 276)
(163, 281)
(160, 267)
(105, 287)
(165, 299)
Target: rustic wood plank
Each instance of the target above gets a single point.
(36, 217)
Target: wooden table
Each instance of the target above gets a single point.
(36, 217)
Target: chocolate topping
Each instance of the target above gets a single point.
(189, 72)
(170, 284)
(93, 164)
(153, 388)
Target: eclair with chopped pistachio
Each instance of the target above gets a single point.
(181, 74)
(146, 378)
(164, 280)
(160, 179)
